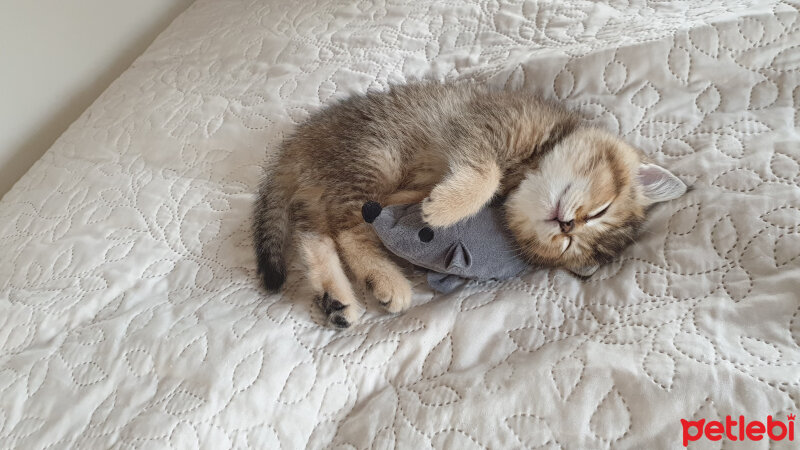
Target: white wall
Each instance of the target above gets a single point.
(56, 57)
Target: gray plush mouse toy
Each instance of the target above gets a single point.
(476, 248)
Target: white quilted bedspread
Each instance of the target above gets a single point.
(131, 315)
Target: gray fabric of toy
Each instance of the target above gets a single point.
(478, 248)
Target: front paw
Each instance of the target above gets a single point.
(439, 213)
(392, 290)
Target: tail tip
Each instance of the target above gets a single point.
(370, 211)
(272, 277)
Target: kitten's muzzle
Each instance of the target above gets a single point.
(567, 226)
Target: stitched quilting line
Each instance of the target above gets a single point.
(520, 440)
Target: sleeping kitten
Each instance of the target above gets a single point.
(575, 195)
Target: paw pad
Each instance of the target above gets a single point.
(334, 309)
(338, 320)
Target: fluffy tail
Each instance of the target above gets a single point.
(271, 233)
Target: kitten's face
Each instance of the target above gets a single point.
(586, 200)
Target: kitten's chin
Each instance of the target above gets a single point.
(553, 256)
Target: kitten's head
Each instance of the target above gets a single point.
(585, 200)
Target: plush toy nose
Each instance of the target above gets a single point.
(566, 227)
(370, 211)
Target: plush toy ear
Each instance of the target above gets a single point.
(659, 184)
(458, 257)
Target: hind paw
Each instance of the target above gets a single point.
(340, 315)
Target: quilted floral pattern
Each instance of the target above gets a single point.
(132, 317)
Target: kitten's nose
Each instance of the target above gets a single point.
(566, 227)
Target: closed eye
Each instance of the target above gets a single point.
(597, 213)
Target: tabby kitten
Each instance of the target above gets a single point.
(575, 195)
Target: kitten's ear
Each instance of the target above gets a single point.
(659, 184)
